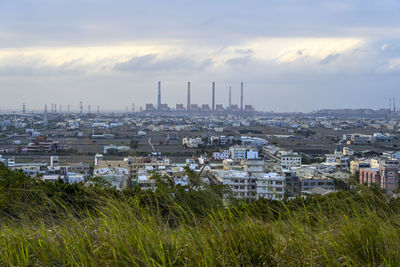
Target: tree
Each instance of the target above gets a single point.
(99, 181)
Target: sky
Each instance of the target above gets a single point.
(292, 55)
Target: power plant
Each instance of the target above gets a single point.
(193, 108)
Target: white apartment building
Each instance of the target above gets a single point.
(270, 186)
(258, 185)
(221, 155)
(237, 153)
(290, 160)
(252, 154)
(239, 182)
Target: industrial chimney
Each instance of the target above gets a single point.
(159, 96)
(241, 96)
(230, 97)
(213, 96)
(188, 97)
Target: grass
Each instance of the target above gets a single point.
(175, 227)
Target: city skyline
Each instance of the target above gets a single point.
(292, 56)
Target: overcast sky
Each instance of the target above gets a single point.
(292, 55)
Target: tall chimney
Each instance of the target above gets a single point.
(188, 97)
(213, 96)
(241, 96)
(394, 104)
(159, 96)
(230, 97)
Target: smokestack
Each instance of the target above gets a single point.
(188, 97)
(213, 96)
(394, 104)
(159, 96)
(241, 96)
(230, 97)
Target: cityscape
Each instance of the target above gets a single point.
(198, 133)
(310, 153)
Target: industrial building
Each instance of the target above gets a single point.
(197, 108)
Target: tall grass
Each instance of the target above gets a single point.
(62, 225)
(347, 228)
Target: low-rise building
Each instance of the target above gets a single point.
(307, 185)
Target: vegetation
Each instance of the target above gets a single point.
(63, 225)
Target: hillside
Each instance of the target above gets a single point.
(57, 224)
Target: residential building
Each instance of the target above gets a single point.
(290, 160)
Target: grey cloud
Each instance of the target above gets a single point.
(153, 62)
(244, 51)
(329, 59)
(36, 66)
(66, 23)
(238, 61)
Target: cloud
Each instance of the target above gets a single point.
(238, 61)
(329, 59)
(244, 51)
(304, 51)
(154, 62)
(19, 65)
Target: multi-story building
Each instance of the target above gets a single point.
(389, 178)
(292, 183)
(240, 183)
(254, 166)
(290, 160)
(370, 176)
(270, 186)
(42, 144)
(254, 186)
(355, 165)
(385, 177)
(221, 155)
(237, 153)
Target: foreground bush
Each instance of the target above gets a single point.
(90, 226)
